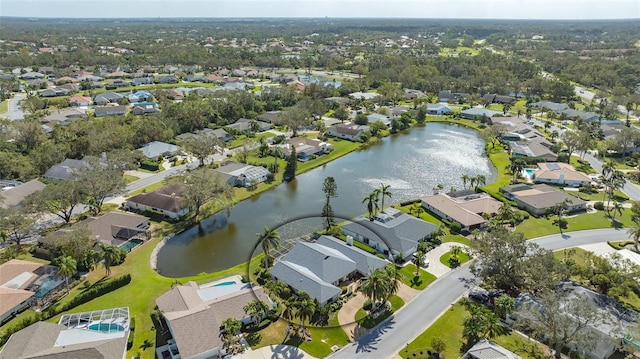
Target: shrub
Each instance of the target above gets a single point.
(92, 293)
(454, 262)
(149, 165)
(367, 304)
(599, 206)
(132, 328)
(455, 227)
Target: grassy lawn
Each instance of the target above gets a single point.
(580, 255)
(340, 148)
(500, 159)
(537, 227)
(320, 346)
(449, 328)
(4, 106)
(582, 166)
(461, 122)
(456, 238)
(462, 257)
(366, 321)
(420, 282)
(130, 178)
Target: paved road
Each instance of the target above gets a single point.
(630, 189)
(14, 109)
(391, 336)
(589, 95)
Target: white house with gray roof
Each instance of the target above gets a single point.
(477, 112)
(155, 149)
(319, 268)
(241, 174)
(390, 232)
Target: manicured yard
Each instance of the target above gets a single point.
(500, 159)
(462, 257)
(150, 188)
(129, 178)
(366, 321)
(4, 106)
(420, 282)
(537, 227)
(449, 328)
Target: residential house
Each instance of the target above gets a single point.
(465, 207)
(54, 92)
(495, 98)
(117, 228)
(193, 78)
(348, 131)
(611, 128)
(244, 125)
(306, 148)
(364, 95)
(32, 76)
(344, 101)
(219, 133)
(379, 117)
(553, 106)
(541, 199)
(194, 314)
(144, 108)
(270, 117)
(560, 173)
(166, 201)
(65, 80)
(412, 94)
(77, 101)
(447, 96)
(438, 109)
(140, 96)
(241, 174)
(534, 147)
(116, 75)
(475, 113)
(112, 84)
(321, 268)
(66, 170)
(102, 111)
(156, 149)
(397, 111)
(583, 115)
(605, 334)
(77, 335)
(213, 78)
(485, 349)
(390, 232)
(14, 196)
(64, 116)
(107, 98)
(166, 79)
(16, 277)
(137, 81)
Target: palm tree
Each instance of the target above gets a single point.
(230, 327)
(394, 278)
(372, 202)
(517, 166)
(560, 211)
(157, 316)
(505, 213)
(376, 286)
(110, 255)
(418, 260)
(506, 107)
(256, 309)
(617, 207)
(504, 304)
(305, 308)
(277, 153)
(634, 233)
(269, 239)
(67, 267)
(481, 180)
(465, 178)
(276, 288)
(384, 192)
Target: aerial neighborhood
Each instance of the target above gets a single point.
(308, 188)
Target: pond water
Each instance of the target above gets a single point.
(412, 163)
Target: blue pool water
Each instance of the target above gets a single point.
(129, 246)
(529, 171)
(49, 284)
(106, 327)
(224, 283)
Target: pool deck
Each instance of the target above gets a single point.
(235, 278)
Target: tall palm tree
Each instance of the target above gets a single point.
(67, 267)
(376, 286)
(384, 192)
(256, 309)
(305, 308)
(372, 202)
(506, 107)
(269, 239)
(394, 277)
(481, 180)
(617, 207)
(505, 213)
(517, 166)
(110, 255)
(157, 315)
(634, 233)
(465, 178)
(418, 260)
(230, 327)
(276, 288)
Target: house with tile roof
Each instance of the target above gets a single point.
(560, 173)
(322, 267)
(194, 314)
(244, 124)
(116, 228)
(66, 170)
(16, 276)
(13, 196)
(541, 199)
(391, 232)
(463, 207)
(348, 131)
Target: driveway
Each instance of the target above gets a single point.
(388, 338)
(435, 266)
(14, 110)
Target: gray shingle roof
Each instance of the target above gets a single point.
(65, 170)
(365, 262)
(157, 148)
(301, 278)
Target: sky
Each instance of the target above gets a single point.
(429, 9)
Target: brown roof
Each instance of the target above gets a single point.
(166, 198)
(115, 224)
(38, 341)
(350, 129)
(463, 212)
(10, 298)
(543, 196)
(12, 197)
(15, 267)
(195, 323)
(557, 169)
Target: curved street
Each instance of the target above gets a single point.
(392, 335)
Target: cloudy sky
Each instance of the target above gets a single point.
(481, 9)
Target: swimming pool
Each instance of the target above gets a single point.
(529, 171)
(224, 283)
(49, 284)
(129, 246)
(106, 327)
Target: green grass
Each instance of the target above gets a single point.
(4, 106)
(582, 166)
(449, 328)
(366, 321)
(537, 227)
(457, 238)
(580, 255)
(500, 159)
(420, 282)
(150, 188)
(462, 257)
(340, 148)
(130, 178)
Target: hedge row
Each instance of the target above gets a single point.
(149, 165)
